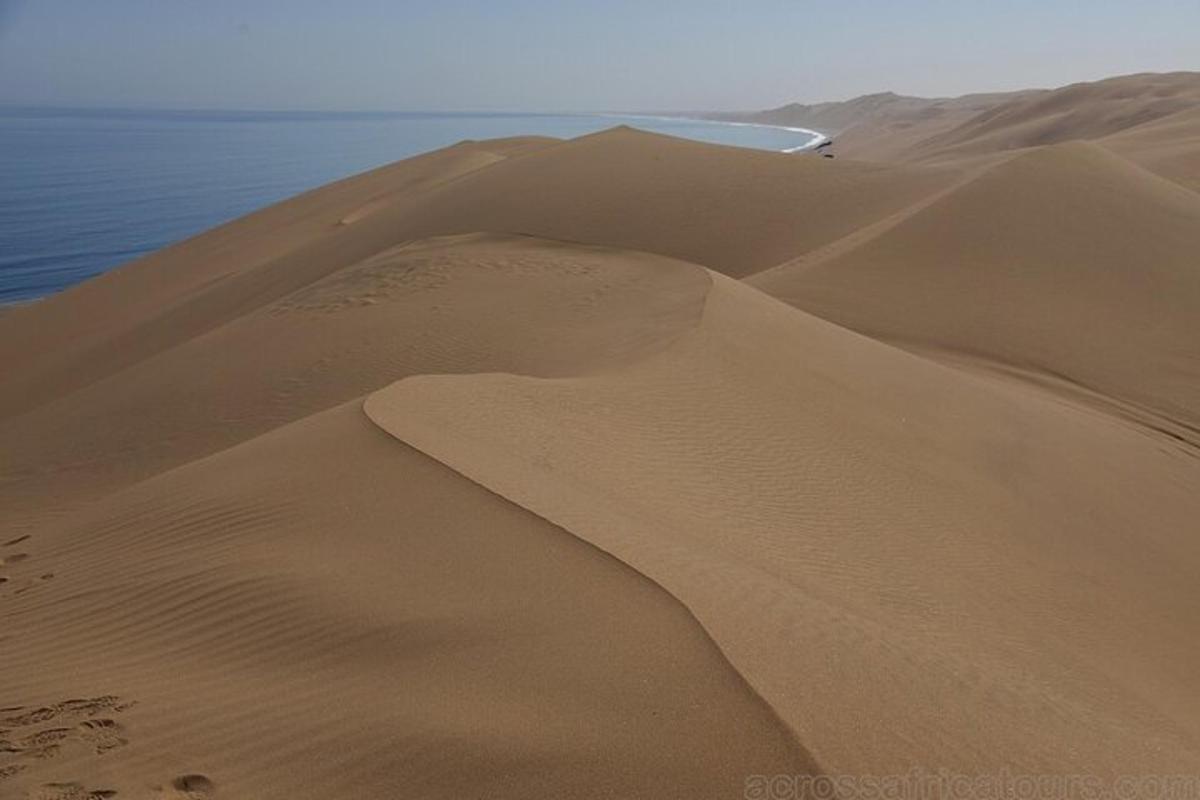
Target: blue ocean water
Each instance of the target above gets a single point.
(82, 191)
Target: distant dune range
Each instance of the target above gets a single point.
(1150, 118)
(628, 466)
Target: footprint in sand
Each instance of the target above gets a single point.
(9, 560)
(69, 791)
(190, 787)
(31, 734)
(32, 583)
(101, 735)
(19, 587)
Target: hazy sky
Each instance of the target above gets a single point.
(568, 54)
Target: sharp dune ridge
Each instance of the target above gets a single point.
(627, 466)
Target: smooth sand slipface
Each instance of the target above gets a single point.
(322, 612)
(846, 518)
(483, 474)
(443, 306)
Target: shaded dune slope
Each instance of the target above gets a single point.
(845, 519)
(1067, 262)
(100, 326)
(323, 612)
(340, 614)
(465, 304)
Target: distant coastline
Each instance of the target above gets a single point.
(193, 170)
(816, 138)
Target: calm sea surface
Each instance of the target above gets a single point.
(83, 191)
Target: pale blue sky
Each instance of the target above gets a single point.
(568, 54)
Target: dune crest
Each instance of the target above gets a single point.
(322, 611)
(341, 614)
(458, 304)
(841, 516)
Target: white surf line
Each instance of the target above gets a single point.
(817, 138)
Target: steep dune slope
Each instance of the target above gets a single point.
(322, 612)
(912, 566)
(465, 304)
(190, 606)
(1067, 261)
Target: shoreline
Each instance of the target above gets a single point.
(817, 137)
(90, 250)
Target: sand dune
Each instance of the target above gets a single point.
(233, 566)
(1079, 111)
(464, 305)
(891, 128)
(838, 117)
(54, 347)
(846, 519)
(321, 612)
(1066, 261)
(484, 474)
(622, 188)
(733, 210)
(883, 126)
(1169, 146)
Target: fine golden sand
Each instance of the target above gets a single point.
(626, 466)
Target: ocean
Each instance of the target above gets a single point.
(82, 191)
